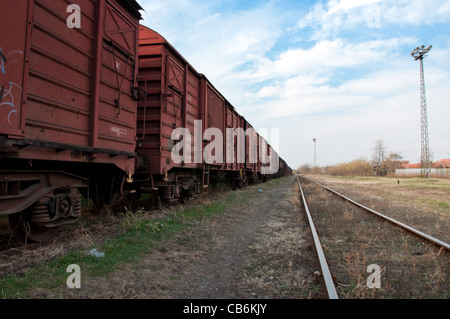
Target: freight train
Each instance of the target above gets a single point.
(94, 104)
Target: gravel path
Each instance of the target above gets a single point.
(258, 248)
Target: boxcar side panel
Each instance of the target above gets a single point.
(149, 107)
(117, 111)
(215, 117)
(76, 84)
(12, 65)
(171, 100)
(59, 75)
(192, 112)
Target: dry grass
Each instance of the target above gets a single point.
(353, 240)
(422, 204)
(94, 228)
(215, 256)
(283, 264)
(278, 263)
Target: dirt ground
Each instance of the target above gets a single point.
(260, 248)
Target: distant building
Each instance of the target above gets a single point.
(438, 169)
(443, 163)
(408, 165)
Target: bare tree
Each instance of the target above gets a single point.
(379, 153)
(382, 162)
(393, 161)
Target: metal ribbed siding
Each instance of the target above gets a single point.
(74, 87)
(172, 99)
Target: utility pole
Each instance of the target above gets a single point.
(418, 54)
(314, 140)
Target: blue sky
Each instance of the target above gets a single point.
(339, 71)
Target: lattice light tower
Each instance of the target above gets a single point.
(418, 54)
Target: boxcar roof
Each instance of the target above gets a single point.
(133, 7)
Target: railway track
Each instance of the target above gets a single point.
(325, 270)
(410, 229)
(330, 248)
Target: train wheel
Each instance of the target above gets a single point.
(28, 231)
(165, 193)
(185, 196)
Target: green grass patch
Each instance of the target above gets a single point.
(438, 184)
(438, 204)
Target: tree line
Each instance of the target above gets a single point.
(381, 163)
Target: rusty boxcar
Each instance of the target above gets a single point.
(171, 90)
(68, 106)
(176, 96)
(252, 166)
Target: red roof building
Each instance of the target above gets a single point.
(445, 162)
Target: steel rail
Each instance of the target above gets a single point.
(400, 224)
(329, 284)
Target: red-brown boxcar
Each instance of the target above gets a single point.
(68, 104)
(252, 165)
(226, 150)
(178, 102)
(171, 100)
(214, 124)
(234, 145)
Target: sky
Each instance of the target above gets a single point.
(339, 71)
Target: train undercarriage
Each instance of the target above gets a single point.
(37, 202)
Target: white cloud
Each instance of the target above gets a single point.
(348, 119)
(220, 44)
(349, 4)
(331, 19)
(345, 90)
(338, 53)
(300, 71)
(417, 12)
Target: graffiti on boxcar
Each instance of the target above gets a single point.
(9, 90)
(3, 60)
